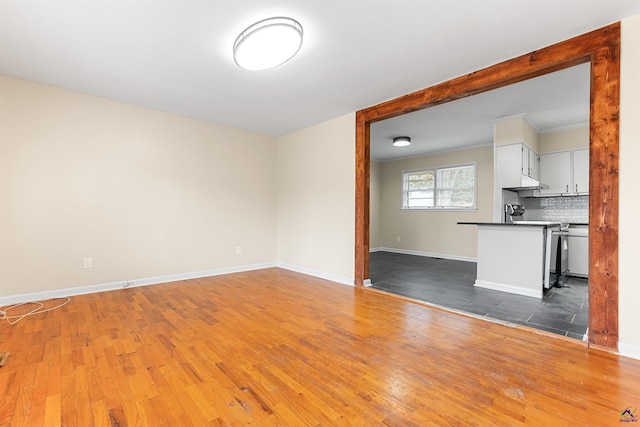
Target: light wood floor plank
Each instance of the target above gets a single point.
(273, 347)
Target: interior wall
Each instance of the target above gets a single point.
(530, 135)
(629, 205)
(374, 203)
(316, 190)
(563, 140)
(142, 193)
(434, 232)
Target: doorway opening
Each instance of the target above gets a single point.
(450, 174)
(601, 49)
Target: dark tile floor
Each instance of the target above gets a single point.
(449, 283)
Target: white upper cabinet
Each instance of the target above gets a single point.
(581, 171)
(530, 162)
(516, 166)
(565, 173)
(555, 173)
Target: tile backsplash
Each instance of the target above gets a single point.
(565, 209)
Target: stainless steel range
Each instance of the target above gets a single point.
(560, 255)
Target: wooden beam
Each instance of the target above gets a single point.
(602, 49)
(363, 180)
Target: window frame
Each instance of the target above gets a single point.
(436, 188)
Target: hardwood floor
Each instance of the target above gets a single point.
(273, 347)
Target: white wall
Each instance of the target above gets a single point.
(434, 232)
(143, 193)
(375, 183)
(563, 140)
(629, 232)
(316, 193)
(511, 130)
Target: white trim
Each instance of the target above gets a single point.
(427, 254)
(320, 274)
(629, 350)
(375, 250)
(509, 288)
(102, 287)
(580, 125)
(511, 117)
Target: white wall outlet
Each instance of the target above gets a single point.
(398, 239)
(238, 249)
(87, 263)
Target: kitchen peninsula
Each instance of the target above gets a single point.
(515, 257)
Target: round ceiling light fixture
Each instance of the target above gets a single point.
(268, 43)
(401, 141)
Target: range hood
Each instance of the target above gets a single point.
(527, 183)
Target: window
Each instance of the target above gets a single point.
(451, 187)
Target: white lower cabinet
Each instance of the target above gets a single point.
(578, 251)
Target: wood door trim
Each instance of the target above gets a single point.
(602, 49)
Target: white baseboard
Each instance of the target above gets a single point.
(81, 290)
(629, 350)
(426, 254)
(509, 288)
(320, 274)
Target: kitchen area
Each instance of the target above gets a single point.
(539, 236)
(521, 253)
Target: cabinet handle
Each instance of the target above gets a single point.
(567, 188)
(576, 188)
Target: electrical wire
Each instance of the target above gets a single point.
(39, 309)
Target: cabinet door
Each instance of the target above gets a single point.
(534, 165)
(526, 170)
(509, 165)
(579, 256)
(581, 171)
(555, 173)
(530, 162)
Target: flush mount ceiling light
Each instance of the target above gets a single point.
(401, 141)
(268, 43)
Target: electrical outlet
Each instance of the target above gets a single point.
(398, 239)
(88, 262)
(238, 249)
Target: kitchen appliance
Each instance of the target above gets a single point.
(559, 256)
(513, 212)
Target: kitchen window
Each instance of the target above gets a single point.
(450, 187)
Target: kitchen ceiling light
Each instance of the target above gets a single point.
(268, 43)
(401, 141)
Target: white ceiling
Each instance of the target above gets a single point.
(550, 102)
(175, 56)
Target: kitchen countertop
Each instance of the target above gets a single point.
(518, 223)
